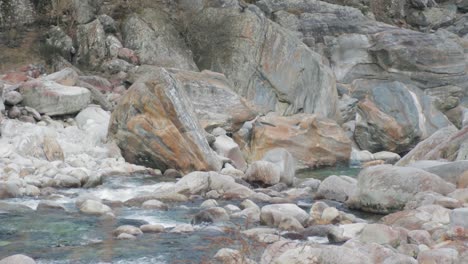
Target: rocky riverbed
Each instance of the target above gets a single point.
(226, 131)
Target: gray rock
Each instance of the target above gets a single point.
(127, 229)
(228, 148)
(67, 77)
(85, 10)
(387, 188)
(211, 215)
(273, 214)
(108, 23)
(214, 101)
(337, 188)
(14, 112)
(115, 66)
(50, 206)
(51, 98)
(154, 204)
(152, 228)
(439, 255)
(156, 41)
(380, 234)
(13, 98)
(66, 181)
(393, 116)
(424, 147)
(94, 208)
(264, 61)
(91, 39)
(9, 189)
(458, 217)
(177, 141)
(263, 172)
(286, 163)
(17, 259)
(59, 42)
(434, 17)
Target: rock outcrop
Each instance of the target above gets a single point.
(155, 125)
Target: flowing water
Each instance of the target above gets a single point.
(71, 237)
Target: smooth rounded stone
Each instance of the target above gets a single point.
(263, 234)
(127, 229)
(9, 189)
(286, 163)
(313, 184)
(152, 228)
(272, 215)
(459, 217)
(332, 255)
(33, 112)
(211, 215)
(386, 188)
(154, 204)
(218, 131)
(228, 148)
(230, 208)
(183, 228)
(352, 230)
(14, 112)
(380, 234)
(329, 215)
(248, 204)
(387, 156)
(260, 197)
(427, 198)
(264, 172)
(409, 250)
(460, 195)
(172, 173)
(212, 194)
(231, 256)
(317, 209)
(93, 207)
(209, 204)
(193, 183)
(31, 190)
(251, 214)
(49, 206)
(439, 255)
(233, 172)
(27, 119)
(125, 236)
(290, 224)
(83, 198)
(65, 181)
(13, 98)
(337, 188)
(419, 237)
(17, 259)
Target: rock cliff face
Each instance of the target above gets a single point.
(264, 61)
(389, 70)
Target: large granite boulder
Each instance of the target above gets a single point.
(214, 102)
(312, 141)
(422, 148)
(385, 188)
(51, 98)
(265, 62)
(155, 125)
(155, 40)
(393, 116)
